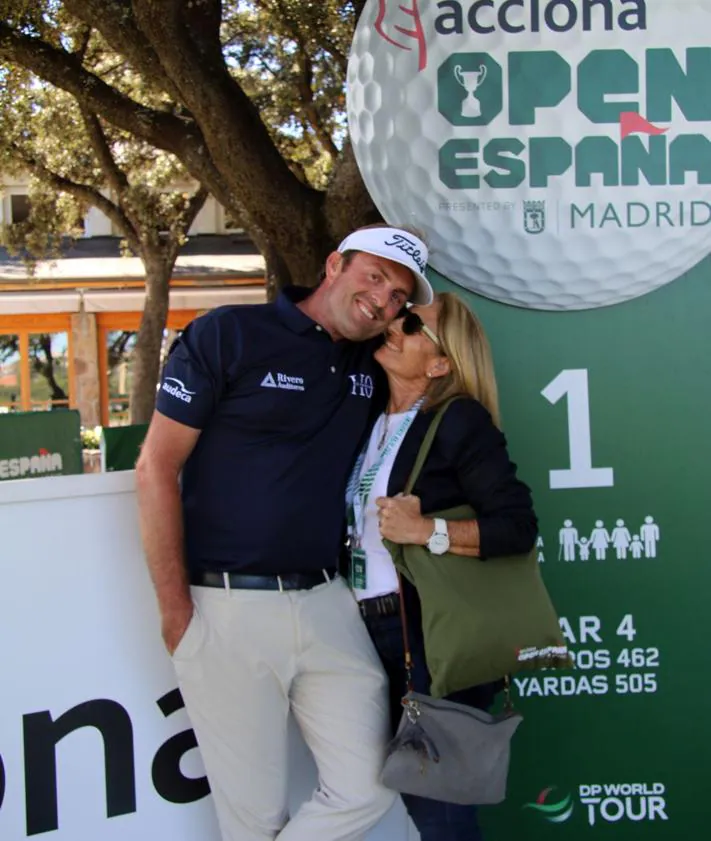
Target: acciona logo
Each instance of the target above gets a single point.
(514, 16)
(283, 381)
(47, 763)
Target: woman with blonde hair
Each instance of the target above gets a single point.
(430, 355)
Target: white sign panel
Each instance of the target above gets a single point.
(94, 740)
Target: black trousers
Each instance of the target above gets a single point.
(435, 821)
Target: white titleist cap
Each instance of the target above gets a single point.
(400, 247)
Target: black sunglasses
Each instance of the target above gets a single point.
(412, 323)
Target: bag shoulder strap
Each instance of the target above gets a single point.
(427, 444)
(419, 461)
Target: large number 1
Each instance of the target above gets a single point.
(581, 473)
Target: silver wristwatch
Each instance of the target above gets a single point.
(438, 543)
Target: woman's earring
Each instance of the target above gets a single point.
(429, 374)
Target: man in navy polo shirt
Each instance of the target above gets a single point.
(262, 410)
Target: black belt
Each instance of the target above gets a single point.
(387, 605)
(244, 581)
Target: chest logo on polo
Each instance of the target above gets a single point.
(361, 385)
(283, 381)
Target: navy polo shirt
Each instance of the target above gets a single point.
(283, 411)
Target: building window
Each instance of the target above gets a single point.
(19, 208)
(119, 358)
(36, 368)
(49, 371)
(117, 333)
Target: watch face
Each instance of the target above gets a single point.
(438, 543)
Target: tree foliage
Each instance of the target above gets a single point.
(247, 94)
(77, 160)
(243, 97)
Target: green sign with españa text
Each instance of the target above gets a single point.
(38, 444)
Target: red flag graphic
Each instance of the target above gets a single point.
(542, 796)
(633, 123)
(411, 30)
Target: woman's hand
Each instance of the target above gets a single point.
(401, 520)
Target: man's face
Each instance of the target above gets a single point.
(366, 295)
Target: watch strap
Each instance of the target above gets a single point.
(440, 526)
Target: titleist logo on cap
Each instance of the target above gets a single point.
(397, 245)
(401, 242)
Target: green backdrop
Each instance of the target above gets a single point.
(121, 445)
(621, 745)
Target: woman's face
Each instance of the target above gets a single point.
(411, 357)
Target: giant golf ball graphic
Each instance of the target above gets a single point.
(555, 153)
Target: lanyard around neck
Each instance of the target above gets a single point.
(360, 486)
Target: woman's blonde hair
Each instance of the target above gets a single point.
(464, 343)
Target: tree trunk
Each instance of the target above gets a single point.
(146, 351)
(46, 368)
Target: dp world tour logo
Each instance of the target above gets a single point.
(603, 803)
(552, 809)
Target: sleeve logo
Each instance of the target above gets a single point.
(177, 389)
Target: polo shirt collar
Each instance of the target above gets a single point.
(290, 314)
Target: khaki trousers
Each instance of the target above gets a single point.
(247, 659)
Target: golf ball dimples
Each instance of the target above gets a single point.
(579, 240)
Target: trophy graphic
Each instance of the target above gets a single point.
(470, 80)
